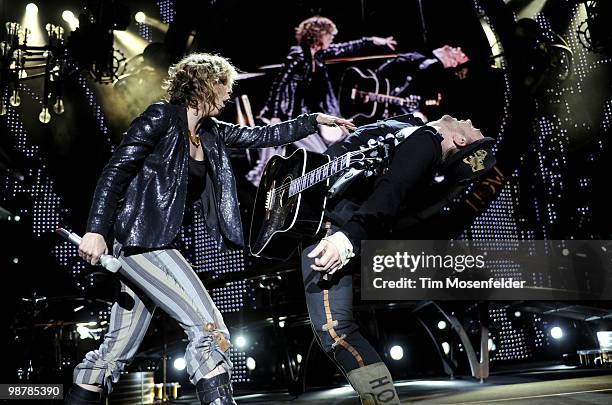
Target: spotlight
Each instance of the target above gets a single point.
(396, 352)
(179, 363)
(299, 358)
(32, 25)
(140, 17)
(441, 325)
(250, 363)
(556, 332)
(281, 324)
(31, 8)
(491, 345)
(17, 218)
(16, 260)
(446, 347)
(240, 341)
(72, 21)
(517, 314)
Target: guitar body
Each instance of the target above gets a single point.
(280, 221)
(352, 96)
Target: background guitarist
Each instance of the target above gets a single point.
(415, 73)
(303, 84)
(367, 210)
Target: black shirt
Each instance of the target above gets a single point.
(369, 208)
(197, 180)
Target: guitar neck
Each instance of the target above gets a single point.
(319, 174)
(385, 98)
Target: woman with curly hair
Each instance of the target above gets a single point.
(173, 157)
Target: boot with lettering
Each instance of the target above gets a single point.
(374, 385)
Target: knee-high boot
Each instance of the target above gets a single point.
(374, 385)
(216, 390)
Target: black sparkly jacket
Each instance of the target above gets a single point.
(143, 188)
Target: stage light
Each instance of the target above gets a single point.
(72, 21)
(299, 358)
(491, 345)
(397, 352)
(44, 116)
(15, 99)
(446, 347)
(77, 309)
(132, 44)
(179, 363)
(441, 325)
(556, 332)
(16, 260)
(58, 106)
(17, 218)
(31, 8)
(281, 324)
(250, 363)
(31, 23)
(140, 17)
(605, 339)
(155, 23)
(517, 314)
(84, 332)
(240, 341)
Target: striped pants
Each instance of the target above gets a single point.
(158, 278)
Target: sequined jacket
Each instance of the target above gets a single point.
(143, 188)
(287, 97)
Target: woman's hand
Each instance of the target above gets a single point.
(332, 121)
(92, 247)
(388, 42)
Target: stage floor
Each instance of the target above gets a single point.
(559, 386)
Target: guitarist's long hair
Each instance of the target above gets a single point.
(311, 30)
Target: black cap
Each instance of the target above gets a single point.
(469, 162)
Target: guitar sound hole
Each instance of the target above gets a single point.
(283, 192)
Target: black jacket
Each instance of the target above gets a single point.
(294, 84)
(370, 207)
(143, 187)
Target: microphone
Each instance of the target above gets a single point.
(109, 262)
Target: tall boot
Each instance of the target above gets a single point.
(216, 390)
(374, 385)
(77, 395)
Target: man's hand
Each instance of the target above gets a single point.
(450, 56)
(329, 261)
(388, 42)
(92, 247)
(332, 121)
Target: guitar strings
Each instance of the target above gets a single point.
(276, 191)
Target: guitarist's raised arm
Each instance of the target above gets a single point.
(358, 45)
(239, 136)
